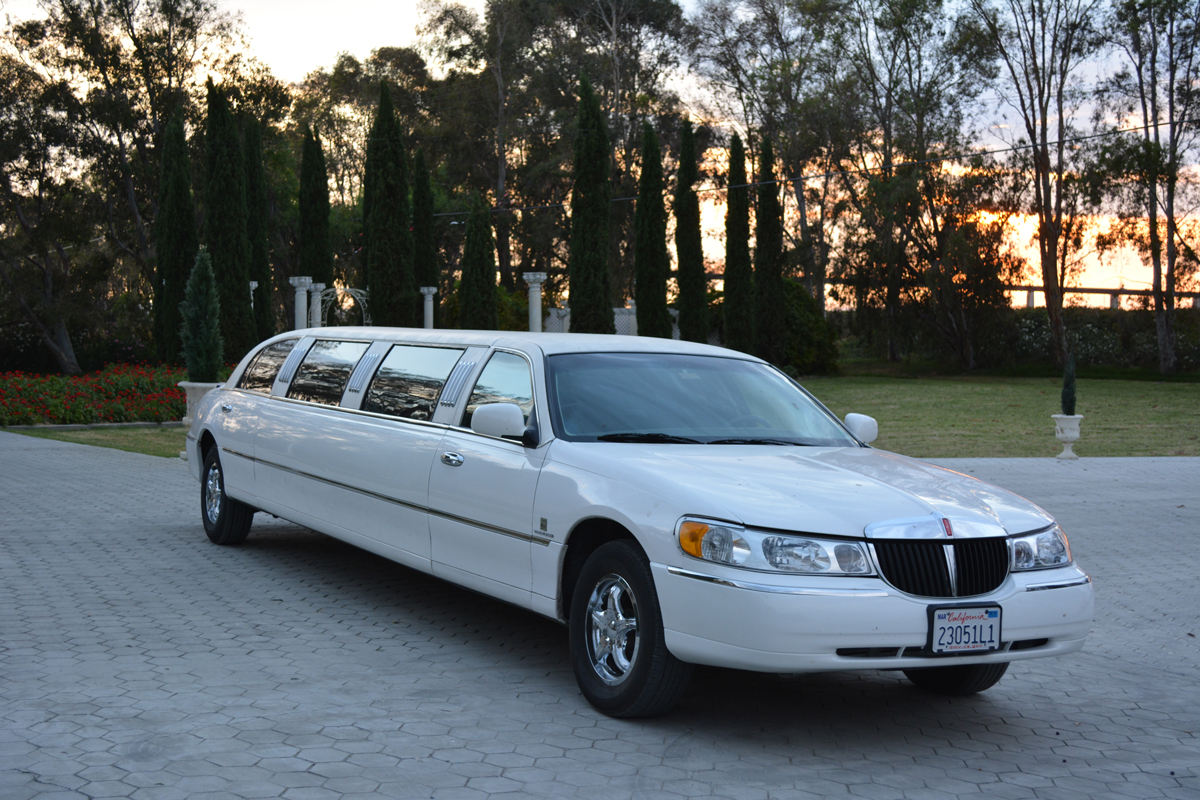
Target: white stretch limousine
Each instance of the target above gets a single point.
(672, 503)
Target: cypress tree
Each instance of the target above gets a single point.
(257, 215)
(770, 311)
(587, 264)
(425, 257)
(739, 279)
(225, 224)
(689, 250)
(175, 239)
(200, 329)
(316, 251)
(387, 236)
(652, 263)
(477, 290)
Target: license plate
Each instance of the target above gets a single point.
(964, 629)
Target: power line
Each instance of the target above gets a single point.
(867, 170)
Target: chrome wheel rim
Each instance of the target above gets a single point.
(212, 494)
(612, 629)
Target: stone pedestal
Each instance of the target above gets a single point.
(301, 316)
(195, 391)
(1066, 429)
(427, 293)
(314, 304)
(535, 281)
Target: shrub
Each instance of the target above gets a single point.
(118, 393)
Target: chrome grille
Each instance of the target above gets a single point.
(923, 568)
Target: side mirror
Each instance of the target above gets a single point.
(499, 420)
(862, 426)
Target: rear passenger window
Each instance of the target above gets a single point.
(409, 380)
(260, 375)
(323, 374)
(505, 379)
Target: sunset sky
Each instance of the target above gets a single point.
(296, 36)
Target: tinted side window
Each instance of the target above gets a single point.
(505, 379)
(409, 380)
(261, 373)
(323, 374)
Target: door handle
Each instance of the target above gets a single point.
(226, 408)
(452, 459)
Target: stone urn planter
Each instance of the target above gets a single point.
(195, 391)
(1066, 429)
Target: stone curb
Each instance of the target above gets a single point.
(48, 427)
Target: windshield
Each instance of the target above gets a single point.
(679, 399)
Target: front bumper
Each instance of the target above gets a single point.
(823, 624)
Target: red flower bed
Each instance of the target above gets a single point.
(117, 393)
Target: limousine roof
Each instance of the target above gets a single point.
(548, 343)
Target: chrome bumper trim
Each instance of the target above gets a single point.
(1040, 587)
(762, 587)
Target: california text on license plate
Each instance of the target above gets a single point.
(964, 629)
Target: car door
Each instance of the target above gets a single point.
(481, 491)
(235, 424)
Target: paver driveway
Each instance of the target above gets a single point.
(138, 660)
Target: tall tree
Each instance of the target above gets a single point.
(200, 331)
(176, 241)
(651, 260)
(425, 255)
(739, 277)
(257, 225)
(316, 250)
(689, 248)
(914, 68)
(776, 66)
(387, 236)
(591, 299)
(225, 223)
(477, 290)
(770, 313)
(46, 211)
(498, 44)
(1147, 172)
(1042, 45)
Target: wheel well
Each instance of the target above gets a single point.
(587, 537)
(207, 443)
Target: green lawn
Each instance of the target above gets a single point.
(165, 442)
(928, 417)
(1005, 416)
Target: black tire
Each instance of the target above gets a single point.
(616, 634)
(226, 521)
(959, 680)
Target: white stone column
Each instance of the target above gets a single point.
(1029, 299)
(535, 281)
(427, 293)
(253, 286)
(301, 315)
(314, 305)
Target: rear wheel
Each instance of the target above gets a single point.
(957, 680)
(226, 521)
(617, 650)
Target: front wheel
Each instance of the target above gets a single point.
(616, 635)
(959, 680)
(226, 521)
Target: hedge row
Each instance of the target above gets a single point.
(118, 393)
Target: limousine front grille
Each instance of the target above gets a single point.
(943, 569)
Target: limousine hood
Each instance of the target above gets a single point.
(819, 490)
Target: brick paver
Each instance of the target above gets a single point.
(138, 660)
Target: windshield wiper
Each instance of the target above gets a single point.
(652, 438)
(758, 441)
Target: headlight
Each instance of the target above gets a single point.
(1041, 550)
(737, 547)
